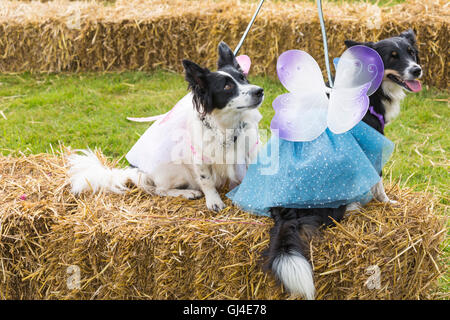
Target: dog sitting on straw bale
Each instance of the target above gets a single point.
(207, 139)
(288, 252)
(402, 71)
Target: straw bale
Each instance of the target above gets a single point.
(140, 246)
(143, 35)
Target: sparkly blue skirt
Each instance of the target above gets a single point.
(332, 170)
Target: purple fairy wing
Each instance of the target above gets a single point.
(347, 107)
(359, 74)
(299, 72)
(359, 65)
(301, 114)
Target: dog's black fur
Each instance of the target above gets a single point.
(293, 228)
(293, 224)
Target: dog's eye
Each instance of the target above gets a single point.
(394, 54)
(411, 51)
(228, 87)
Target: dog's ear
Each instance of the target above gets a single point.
(351, 43)
(197, 83)
(226, 57)
(409, 35)
(195, 75)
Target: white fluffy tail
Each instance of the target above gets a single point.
(86, 173)
(296, 274)
(147, 119)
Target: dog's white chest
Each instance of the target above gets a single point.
(392, 107)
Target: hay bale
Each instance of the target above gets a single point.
(139, 246)
(28, 210)
(144, 35)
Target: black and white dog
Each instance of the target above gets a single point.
(220, 117)
(288, 253)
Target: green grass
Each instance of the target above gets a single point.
(82, 110)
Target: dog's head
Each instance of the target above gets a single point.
(224, 90)
(400, 57)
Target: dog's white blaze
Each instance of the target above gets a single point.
(408, 75)
(296, 274)
(244, 97)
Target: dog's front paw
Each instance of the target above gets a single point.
(385, 199)
(215, 204)
(391, 201)
(193, 194)
(354, 206)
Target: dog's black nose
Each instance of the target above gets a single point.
(258, 92)
(416, 71)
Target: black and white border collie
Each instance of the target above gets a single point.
(222, 102)
(288, 253)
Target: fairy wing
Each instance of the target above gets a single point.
(300, 115)
(299, 72)
(359, 73)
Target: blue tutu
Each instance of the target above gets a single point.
(330, 171)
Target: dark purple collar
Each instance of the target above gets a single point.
(379, 116)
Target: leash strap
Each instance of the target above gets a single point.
(248, 28)
(325, 44)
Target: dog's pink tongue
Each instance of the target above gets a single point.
(414, 85)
